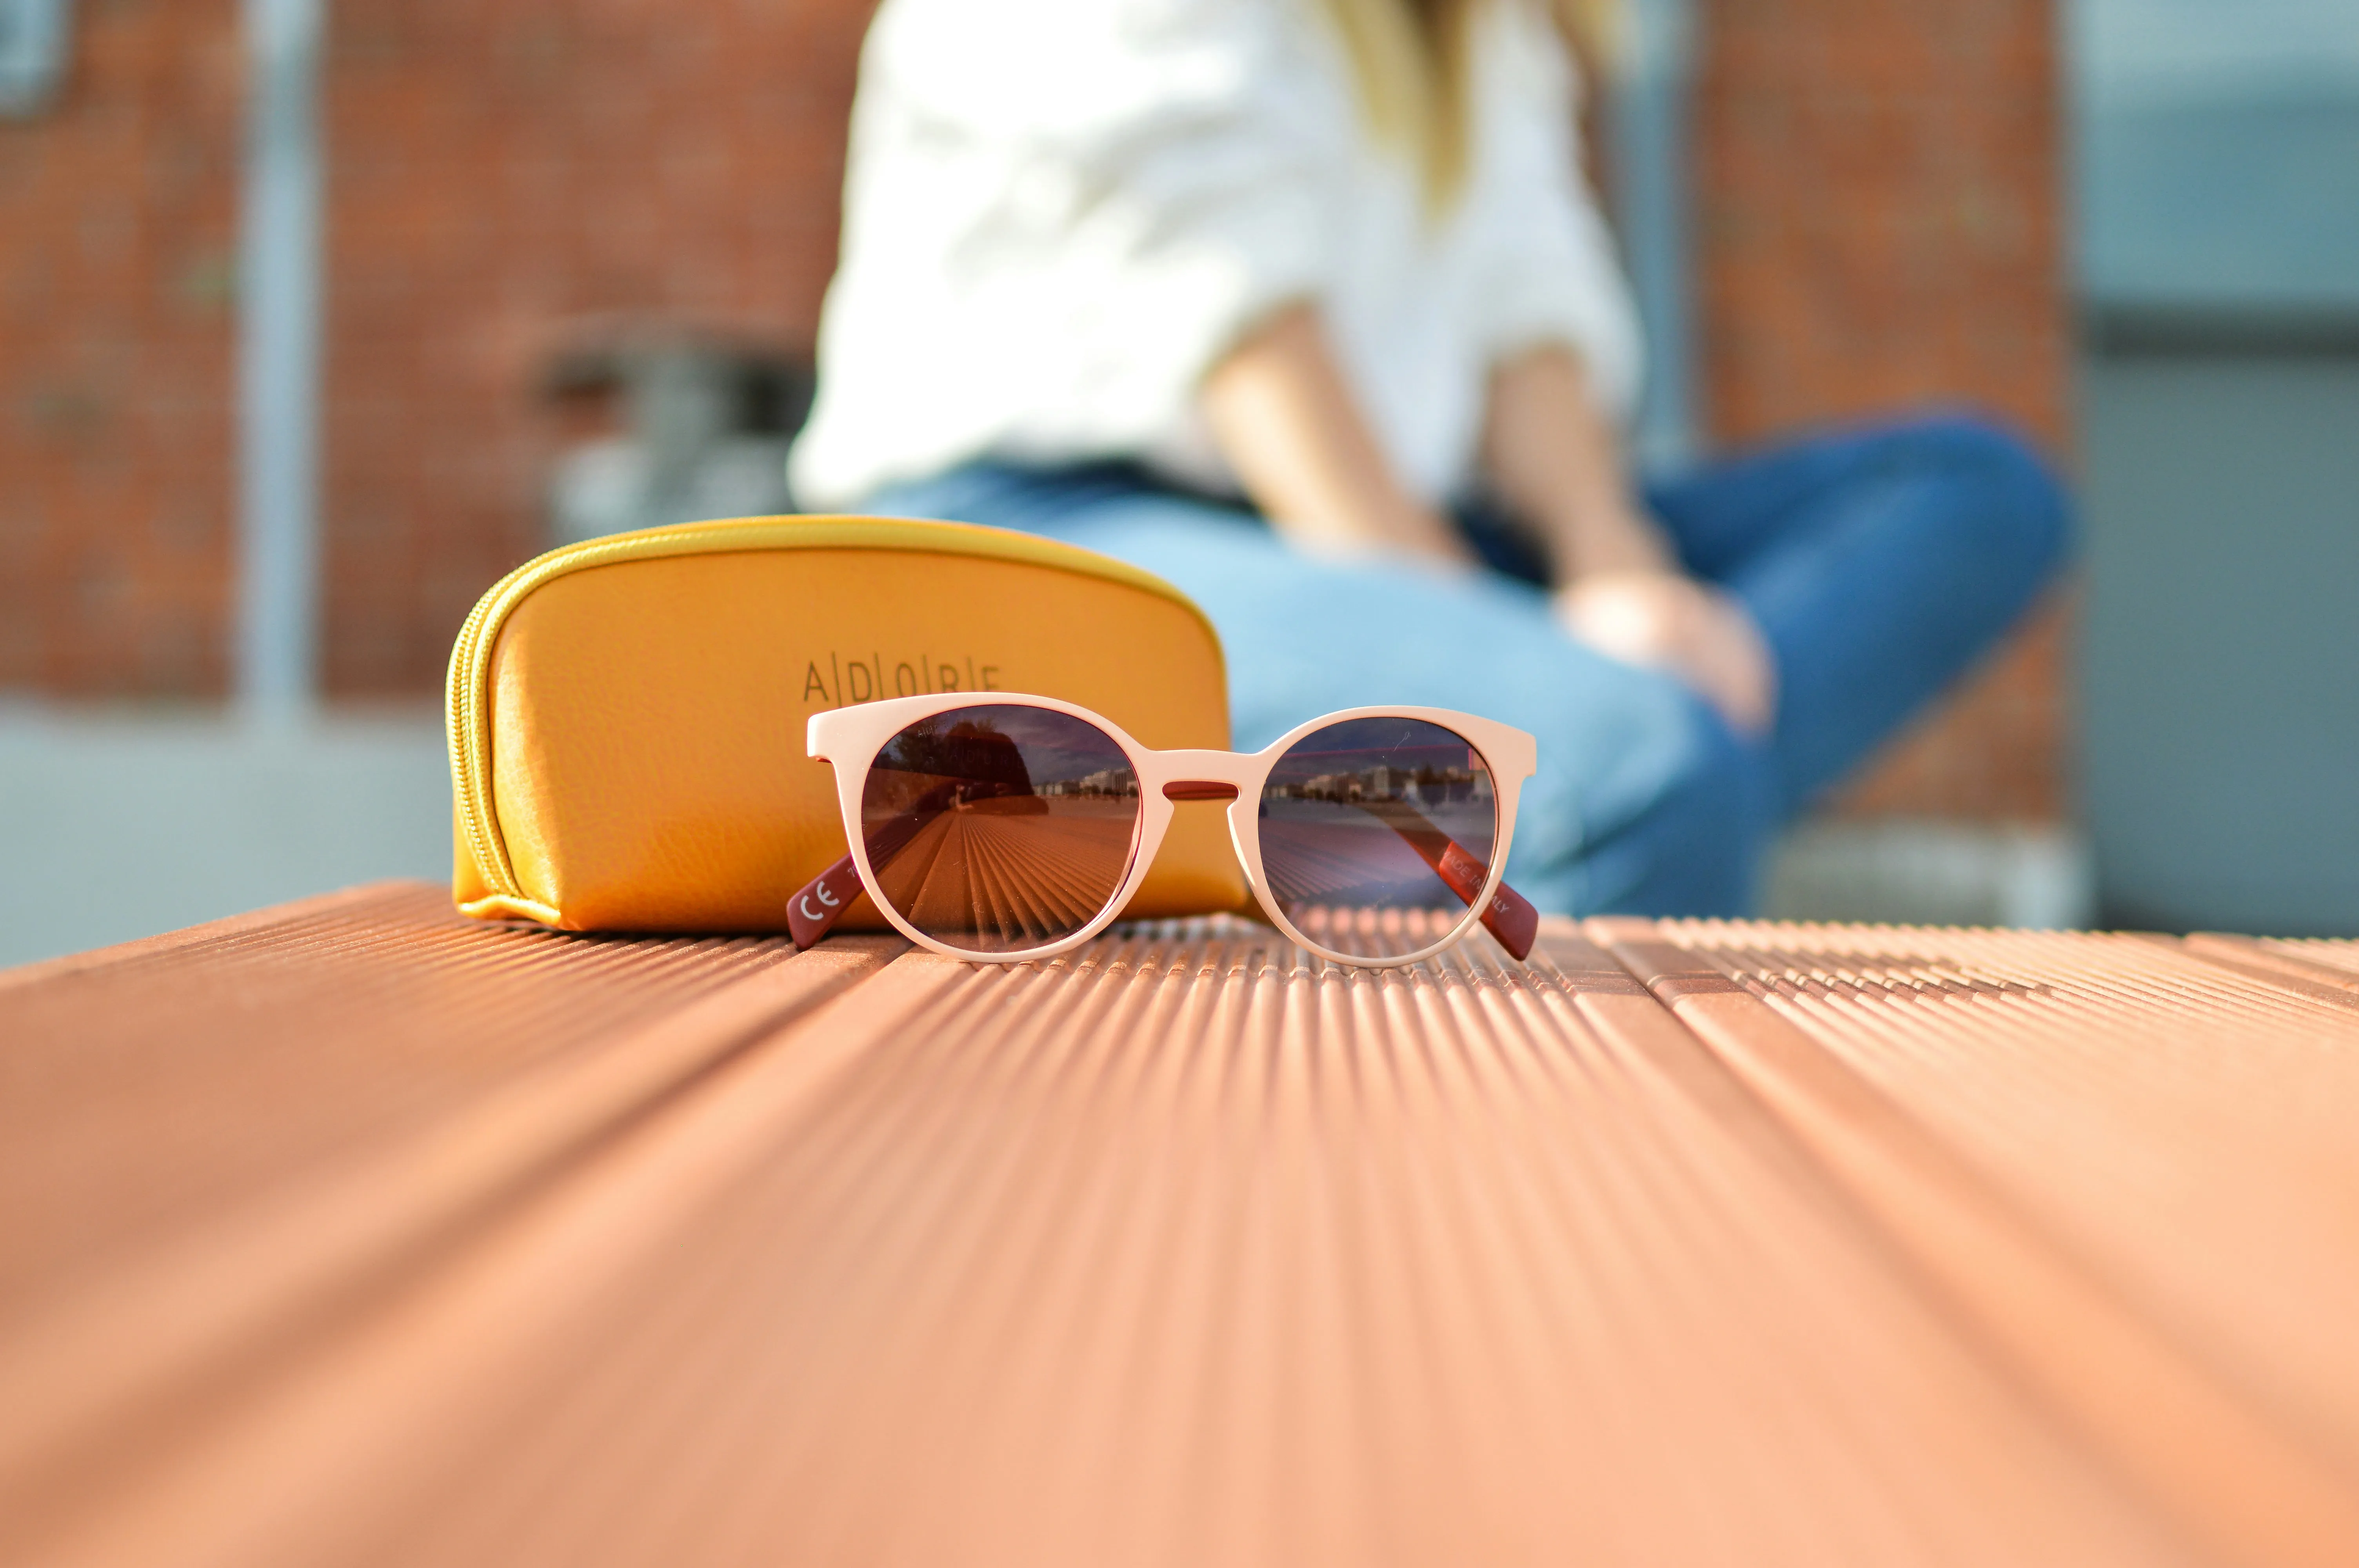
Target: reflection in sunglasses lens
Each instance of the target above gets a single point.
(1376, 833)
(1000, 827)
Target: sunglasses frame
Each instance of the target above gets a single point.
(1165, 778)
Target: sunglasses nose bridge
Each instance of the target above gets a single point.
(1199, 789)
(1202, 775)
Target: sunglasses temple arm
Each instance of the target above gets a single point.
(813, 913)
(1509, 916)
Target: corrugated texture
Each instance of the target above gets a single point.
(2130, 1164)
(2318, 969)
(2336, 955)
(214, 1144)
(245, 1057)
(1839, 1245)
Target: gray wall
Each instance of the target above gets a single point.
(114, 826)
(2218, 215)
(2220, 670)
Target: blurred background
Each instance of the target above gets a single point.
(316, 316)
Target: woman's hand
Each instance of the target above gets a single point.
(1553, 460)
(1666, 621)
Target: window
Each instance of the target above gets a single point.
(32, 53)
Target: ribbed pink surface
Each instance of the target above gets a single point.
(2335, 954)
(363, 1235)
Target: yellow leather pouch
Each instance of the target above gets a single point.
(626, 715)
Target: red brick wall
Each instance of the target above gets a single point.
(502, 176)
(117, 234)
(1880, 211)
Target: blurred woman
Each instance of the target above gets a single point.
(1304, 305)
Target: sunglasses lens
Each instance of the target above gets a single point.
(1000, 827)
(1365, 826)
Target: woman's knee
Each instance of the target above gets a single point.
(2013, 504)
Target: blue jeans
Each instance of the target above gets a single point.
(1879, 564)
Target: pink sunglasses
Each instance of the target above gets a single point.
(1018, 827)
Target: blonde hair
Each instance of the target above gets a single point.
(1409, 61)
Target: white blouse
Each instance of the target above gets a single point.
(1060, 214)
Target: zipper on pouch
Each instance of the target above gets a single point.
(467, 709)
